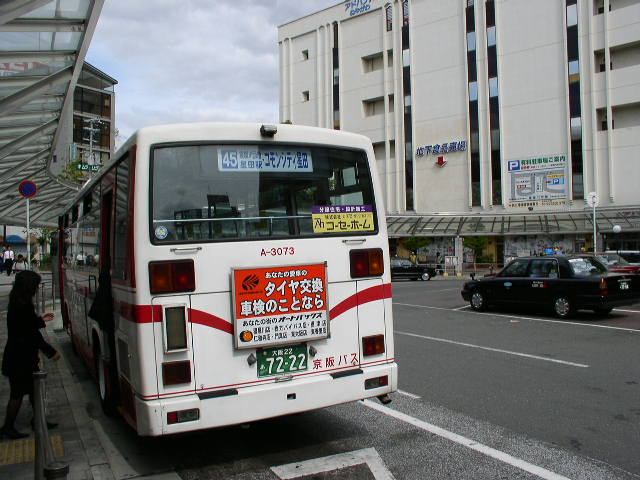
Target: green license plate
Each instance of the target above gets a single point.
(282, 360)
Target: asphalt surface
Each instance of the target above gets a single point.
(498, 395)
(578, 386)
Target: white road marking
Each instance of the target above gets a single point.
(467, 442)
(491, 349)
(627, 311)
(368, 456)
(407, 394)
(461, 308)
(544, 320)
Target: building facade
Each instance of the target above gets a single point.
(89, 128)
(498, 118)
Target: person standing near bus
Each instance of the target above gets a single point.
(24, 341)
(8, 260)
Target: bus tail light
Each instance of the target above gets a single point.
(181, 416)
(172, 276)
(366, 263)
(373, 345)
(376, 382)
(175, 373)
(604, 290)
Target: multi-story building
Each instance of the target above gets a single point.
(93, 116)
(88, 130)
(497, 118)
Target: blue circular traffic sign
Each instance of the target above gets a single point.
(27, 189)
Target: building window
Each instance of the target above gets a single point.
(408, 118)
(473, 91)
(471, 41)
(371, 63)
(372, 107)
(572, 15)
(494, 105)
(491, 36)
(472, 72)
(336, 79)
(493, 87)
(575, 111)
(305, 96)
(305, 54)
(389, 15)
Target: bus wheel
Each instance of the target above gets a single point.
(104, 388)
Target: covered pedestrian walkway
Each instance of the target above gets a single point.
(43, 44)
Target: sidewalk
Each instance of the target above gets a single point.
(74, 439)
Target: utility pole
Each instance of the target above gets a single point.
(93, 125)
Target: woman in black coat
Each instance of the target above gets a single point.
(24, 341)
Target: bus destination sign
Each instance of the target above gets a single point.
(280, 305)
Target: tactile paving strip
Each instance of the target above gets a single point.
(24, 450)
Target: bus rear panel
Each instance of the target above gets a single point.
(260, 277)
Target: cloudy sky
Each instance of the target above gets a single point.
(193, 60)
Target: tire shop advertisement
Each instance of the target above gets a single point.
(280, 305)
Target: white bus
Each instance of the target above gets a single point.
(218, 274)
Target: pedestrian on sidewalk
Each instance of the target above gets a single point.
(7, 256)
(20, 264)
(24, 341)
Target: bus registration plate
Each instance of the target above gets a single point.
(282, 360)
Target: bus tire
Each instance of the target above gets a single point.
(105, 390)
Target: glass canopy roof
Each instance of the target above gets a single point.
(42, 48)
(446, 225)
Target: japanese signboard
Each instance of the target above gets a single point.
(85, 167)
(537, 181)
(356, 7)
(254, 159)
(280, 305)
(342, 218)
(441, 148)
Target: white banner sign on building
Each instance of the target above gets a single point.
(538, 181)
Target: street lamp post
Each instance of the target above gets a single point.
(617, 229)
(592, 201)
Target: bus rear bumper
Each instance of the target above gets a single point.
(263, 401)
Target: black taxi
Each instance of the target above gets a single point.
(563, 283)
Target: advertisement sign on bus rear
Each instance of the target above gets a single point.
(280, 305)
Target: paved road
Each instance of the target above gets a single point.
(573, 383)
(502, 395)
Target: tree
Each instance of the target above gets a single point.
(71, 173)
(413, 244)
(45, 237)
(477, 244)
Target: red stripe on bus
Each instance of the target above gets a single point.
(209, 320)
(147, 313)
(379, 292)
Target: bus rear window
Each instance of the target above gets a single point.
(238, 192)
